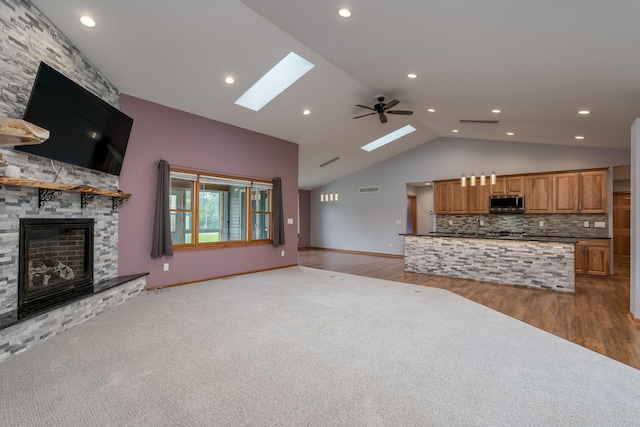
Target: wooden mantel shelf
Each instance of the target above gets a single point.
(50, 190)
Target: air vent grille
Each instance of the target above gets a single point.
(482, 122)
(369, 189)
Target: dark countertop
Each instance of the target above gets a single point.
(523, 238)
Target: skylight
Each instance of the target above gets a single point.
(389, 138)
(272, 84)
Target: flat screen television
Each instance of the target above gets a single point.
(85, 130)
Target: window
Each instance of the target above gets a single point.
(209, 210)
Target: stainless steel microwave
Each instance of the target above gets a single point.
(506, 204)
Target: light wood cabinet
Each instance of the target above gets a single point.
(440, 197)
(508, 185)
(592, 257)
(449, 197)
(593, 192)
(478, 199)
(565, 192)
(538, 194)
(580, 192)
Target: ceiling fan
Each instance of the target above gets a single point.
(381, 108)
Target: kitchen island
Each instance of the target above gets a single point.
(533, 261)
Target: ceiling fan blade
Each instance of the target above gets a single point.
(364, 106)
(406, 113)
(391, 104)
(383, 118)
(364, 115)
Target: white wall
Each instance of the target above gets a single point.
(367, 222)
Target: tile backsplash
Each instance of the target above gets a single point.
(553, 224)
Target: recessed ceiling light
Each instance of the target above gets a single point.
(389, 138)
(87, 21)
(579, 137)
(431, 110)
(306, 112)
(455, 131)
(495, 110)
(275, 81)
(584, 112)
(229, 80)
(345, 13)
(510, 133)
(412, 75)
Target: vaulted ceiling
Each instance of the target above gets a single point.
(539, 62)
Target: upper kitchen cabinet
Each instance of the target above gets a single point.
(580, 192)
(593, 192)
(508, 185)
(450, 197)
(538, 193)
(565, 192)
(478, 199)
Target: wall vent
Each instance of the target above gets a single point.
(369, 189)
(482, 122)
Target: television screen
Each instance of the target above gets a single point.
(85, 130)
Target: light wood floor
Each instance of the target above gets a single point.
(595, 317)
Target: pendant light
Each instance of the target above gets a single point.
(493, 178)
(483, 179)
(473, 179)
(463, 181)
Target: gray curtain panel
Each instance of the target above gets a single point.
(278, 214)
(161, 244)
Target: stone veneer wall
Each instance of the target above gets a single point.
(554, 224)
(28, 37)
(21, 336)
(542, 265)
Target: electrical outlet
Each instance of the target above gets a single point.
(289, 220)
(481, 223)
(398, 222)
(450, 222)
(541, 223)
(282, 253)
(166, 266)
(585, 224)
(599, 224)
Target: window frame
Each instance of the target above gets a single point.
(250, 184)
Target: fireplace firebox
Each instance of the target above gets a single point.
(55, 261)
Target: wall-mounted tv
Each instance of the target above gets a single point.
(85, 130)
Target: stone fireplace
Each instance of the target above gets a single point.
(55, 261)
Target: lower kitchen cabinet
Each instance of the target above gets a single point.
(592, 257)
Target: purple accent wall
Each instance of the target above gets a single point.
(304, 199)
(187, 140)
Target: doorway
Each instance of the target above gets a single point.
(622, 228)
(412, 214)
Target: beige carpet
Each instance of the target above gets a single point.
(305, 347)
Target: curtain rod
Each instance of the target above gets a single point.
(191, 168)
